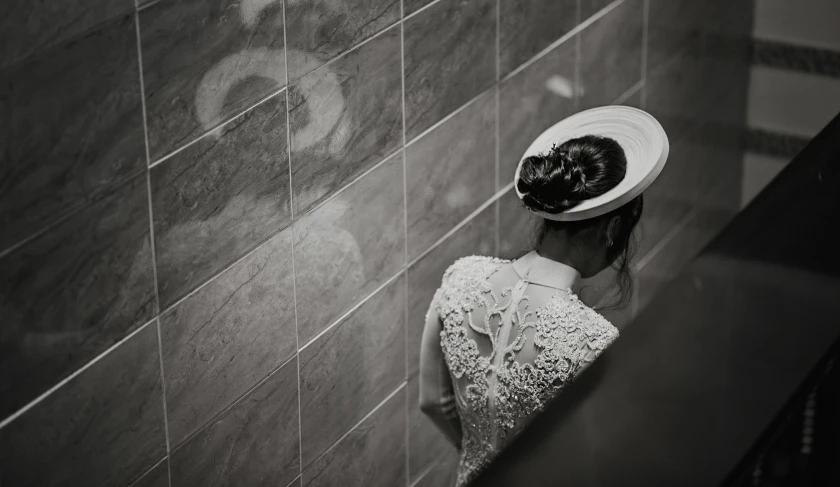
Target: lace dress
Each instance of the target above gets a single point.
(511, 336)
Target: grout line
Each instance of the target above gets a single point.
(424, 7)
(299, 477)
(292, 225)
(405, 246)
(72, 376)
(578, 89)
(159, 330)
(353, 428)
(447, 117)
(664, 241)
(463, 222)
(146, 472)
(627, 94)
(497, 89)
(347, 186)
(425, 472)
(215, 128)
(645, 27)
(350, 311)
(230, 406)
(578, 28)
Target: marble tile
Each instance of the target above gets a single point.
(477, 237)
(255, 442)
(518, 227)
(449, 59)
(350, 246)
(204, 62)
(588, 8)
(659, 217)
(229, 335)
(104, 427)
(372, 455)
(158, 476)
(532, 101)
(345, 117)
(219, 198)
(27, 27)
(443, 473)
(72, 123)
(71, 293)
(411, 6)
(319, 31)
(450, 172)
(611, 54)
(527, 27)
(426, 444)
(350, 369)
(692, 91)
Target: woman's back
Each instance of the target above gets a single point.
(512, 335)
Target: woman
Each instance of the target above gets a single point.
(504, 337)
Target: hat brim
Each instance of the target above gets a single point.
(645, 145)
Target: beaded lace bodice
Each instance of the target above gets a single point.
(509, 349)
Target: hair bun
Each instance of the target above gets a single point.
(554, 182)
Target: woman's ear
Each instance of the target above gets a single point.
(613, 229)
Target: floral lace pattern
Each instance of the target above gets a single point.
(566, 333)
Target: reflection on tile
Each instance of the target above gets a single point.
(219, 198)
(104, 427)
(372, 455)
(350, 369)
(528, 27)
(449, 59)
(345, 118)
(73, 292)
(157, 477)
(319, 31)
(477, 237)
(206, 61)
(27, 27)
(426, 444)
(412, 6)
(255, 442)
(588, 8)
(633, 100)
(531, 101)
(443, 473)
(349, 247)
(450, 172)
(72, 124)
(224, 339)
(611, 54)
(518, 227)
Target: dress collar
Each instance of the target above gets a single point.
(546, 272)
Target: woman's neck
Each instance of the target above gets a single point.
(559, 249)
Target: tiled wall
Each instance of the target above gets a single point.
(223, 221)
(794, 86)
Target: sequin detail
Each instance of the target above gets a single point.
(567, 334)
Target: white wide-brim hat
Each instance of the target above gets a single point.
(641, 136)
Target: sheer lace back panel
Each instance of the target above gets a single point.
(510, 345)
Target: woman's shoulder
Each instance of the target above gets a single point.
(474, 265)
(593, 323)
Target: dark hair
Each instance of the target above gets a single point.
(578, 170)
